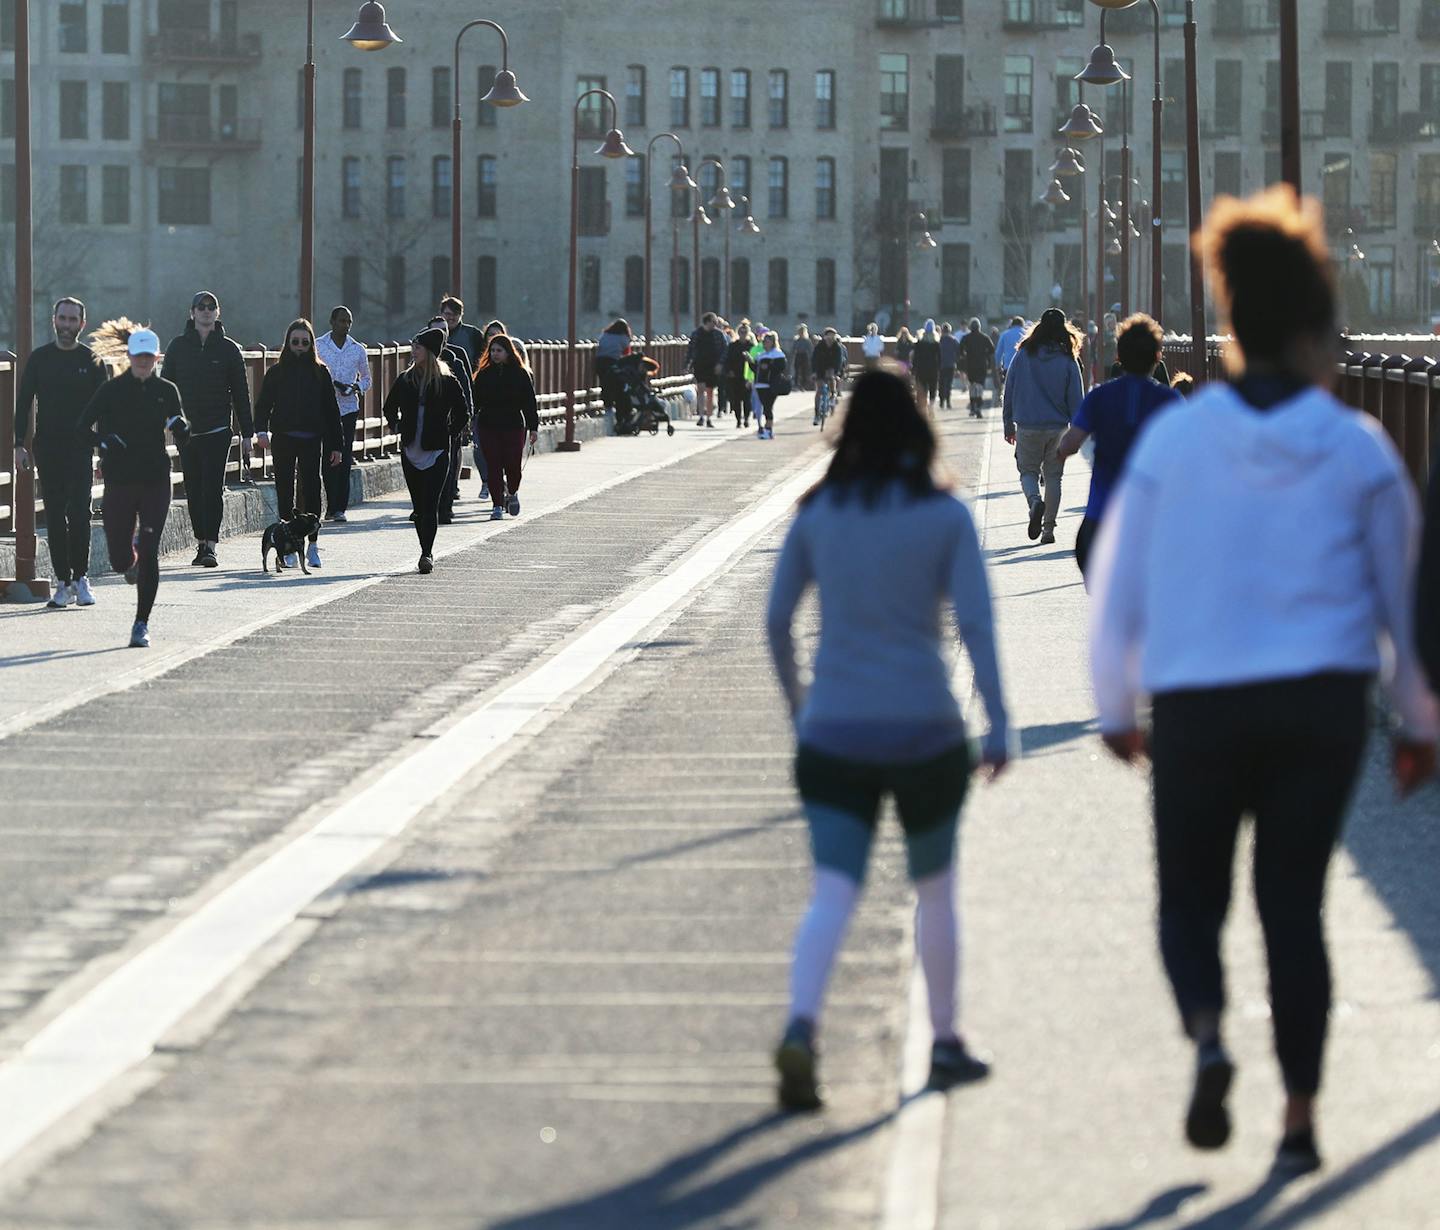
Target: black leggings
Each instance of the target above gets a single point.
(1085, 542)
(767, 404)
(1288, 753)
(290, 454)
(65, 474)
(202, 461)
(737, 399)
(134, 515)
(426, 488)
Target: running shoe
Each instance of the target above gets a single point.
(513, 506)
(199, 560)
(83, 594)
(952, 1064)
(1207, 1122)
(312, 556)
(1298, 1153)
(497, 513)
(208, 559)
(139, 635)
(1047, 539)
(1037, 515)
(62, 596)
(795, 1061)
(340, 519)
(815, 422)
(427, 563)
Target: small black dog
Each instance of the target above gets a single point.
(288, 538)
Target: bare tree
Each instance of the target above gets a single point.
(64, 263)
(378, 240)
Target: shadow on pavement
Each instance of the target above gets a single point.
(1160, 1207)
(56, 655)
(1037, 738)
(652, 1200)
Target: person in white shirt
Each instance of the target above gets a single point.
(350, 373)
(1252, 572)
(872, 345)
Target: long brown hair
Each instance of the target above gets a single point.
(503, 339)
(1052, 329)
(300, 325)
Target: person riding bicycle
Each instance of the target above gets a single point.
(827, 368)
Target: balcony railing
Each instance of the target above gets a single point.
(916, 14)
(1345, 19)
(1360, 219)
(202, 47)
(1044, 14)
(1217, 123)
(1313, 125)
(973, 121)
(201, 133)
(1247, 17)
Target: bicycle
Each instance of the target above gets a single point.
(825, 398)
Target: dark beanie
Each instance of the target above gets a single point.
(432, 339)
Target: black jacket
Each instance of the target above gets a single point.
(298, 396)
(706, 351)
(828, 360)
(455, 357)
(926, 357)
(402, 408)
(211, 378)
(977, 356)
(61, 383)
(137, 412)
(737, 355)
(505, 398)
(1427, 616)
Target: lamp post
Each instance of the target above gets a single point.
(1192, 177)
(614, 147)
(720, 204)
(1289, 87)
(503, 93)
(1067, 165)
(924, 243)
(698, 218)
(1121, 245)
(679, 178)
(1084, 125)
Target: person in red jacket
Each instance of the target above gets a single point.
(506, 412)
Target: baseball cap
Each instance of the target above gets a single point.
(203, 296)
(143, 341)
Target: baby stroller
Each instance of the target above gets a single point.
(637, 406)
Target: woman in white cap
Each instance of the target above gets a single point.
(127, 420)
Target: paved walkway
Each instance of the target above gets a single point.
(550, 1002)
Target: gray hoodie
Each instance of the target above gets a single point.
(1042, 389)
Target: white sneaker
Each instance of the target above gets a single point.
(312, 556)
(62, 596)
(292, 560)
(83, 596)
(139, 636)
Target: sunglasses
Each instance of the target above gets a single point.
(302, 342)
(207, 307)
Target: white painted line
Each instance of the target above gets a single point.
(917, 1148)
(117, 1024)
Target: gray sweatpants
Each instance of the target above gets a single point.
(1035, 450)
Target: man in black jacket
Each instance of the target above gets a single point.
(1427, 620)
(704, 356)
(209, 370)
(459, 364)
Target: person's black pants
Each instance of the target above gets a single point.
(802, 372)
(767, 404)
(737, 399)
(947, 382)
(134, 516)
(1085, 542)
(202, 462)
(337, 478)
(426, 488)
(452, 482)
(65, 475)
(292, 456)
(1287, 753)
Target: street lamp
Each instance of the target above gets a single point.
(924, 243)
(613, 147)
(747, 225)
(720, 203)
(1068, 165)
(698, 218)
(679, 179)
(503, 93)
(1085, 125)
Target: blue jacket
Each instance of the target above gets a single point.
(1042, 389)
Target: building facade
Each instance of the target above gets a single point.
(167, 138)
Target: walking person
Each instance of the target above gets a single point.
(704, 356)
(455, 358)
(59, 380)
(802, 350)
(298, 419)
(126, 420)
(949, 358)
(426, 406)
(467, 337)
(770, 383)
(828, 367)
(506, 411)
(349, 367)
(926, 362)
(880, 717)
(977, 356)
(1427, 619)
(1115, 413)
(904, 347)
(1005, 347)
(1042, 392)
(1252, 565)
(737, 374)
(209, 370)
(872, 345)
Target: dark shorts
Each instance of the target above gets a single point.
(711, 379)
(842, 800)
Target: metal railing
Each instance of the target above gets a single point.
(201, 46)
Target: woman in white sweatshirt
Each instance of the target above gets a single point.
(769, 373)
(1258, 554)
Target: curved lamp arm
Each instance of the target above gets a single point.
(504, 53)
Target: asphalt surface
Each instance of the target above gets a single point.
(551, 1004)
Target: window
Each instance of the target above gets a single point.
(184, 15)
(950, 93)
(350, 291)
(824, 187)
(350, 187)
(115, 195)
(72, 26)
(825, 98)
(1337, 98)
(635, 96)
(679, 278)
(485, 112)
(1385, 100)
(1227, 173)
(740, 98)
(634, 283)
(115, 36)
(710, 284)
(1229, 92)
(440, 97)
(825, 287)
(7, 185)
(708, 178)
(183, 196)
(589, 283)
(395, 187)
(679, 197)
(955, 183)
(485, 298)
(709, 98)
(350, 98)
(955, 278)
(592, 111)
(594, 208)
(115, 110)
(485, 186)
(740, 286)
(679, 98)
(440, 282)
(894, 91)
(395, 98)
(1067, 273)
(1380, 272)
(950, 10)
(1430, 95)
(1016, 275)
(7, 108)
(779, 297)
(635, 186)
(74, 195)
(1383, 174)
(779, 98)
(1172, 177)
(395, 286)
(7, 43)
(739, 170)
(779, 187)
(74, 111)
(1019, 94)
(440, 185)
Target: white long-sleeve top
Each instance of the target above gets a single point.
(348, 364)
(1248, 545)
